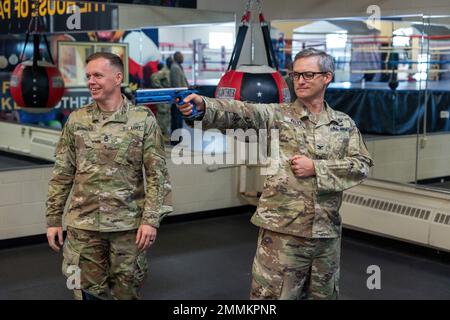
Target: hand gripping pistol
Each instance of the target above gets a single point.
(168, 95)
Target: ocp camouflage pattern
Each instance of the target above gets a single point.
(304, 207)
(102, 164)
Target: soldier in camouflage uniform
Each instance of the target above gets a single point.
(177, 80)
(322, 153)
(105, 152)
(161, 79)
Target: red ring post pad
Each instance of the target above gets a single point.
(167, 95)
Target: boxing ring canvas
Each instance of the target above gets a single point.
(377, 109)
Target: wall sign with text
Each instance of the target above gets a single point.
(164, 3)
(57, 16)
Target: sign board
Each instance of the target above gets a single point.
(56, 16)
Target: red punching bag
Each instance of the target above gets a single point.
(253, 83)
(259, 84)
(40, 86)
(36, 83)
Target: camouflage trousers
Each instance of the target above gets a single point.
(293, 268)
(163, 119)
(106, 263)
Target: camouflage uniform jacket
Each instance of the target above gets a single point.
(161, 79)
(103, 160)
(304, 207)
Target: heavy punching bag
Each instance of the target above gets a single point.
(36, 86)
(36, 83)
(253, 83)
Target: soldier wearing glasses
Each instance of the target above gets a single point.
(322, 153)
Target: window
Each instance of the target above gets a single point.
(336, 40)
(402, 37)
(219, 39)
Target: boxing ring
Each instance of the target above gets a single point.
(377, 109)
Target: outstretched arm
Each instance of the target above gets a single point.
(230, 114)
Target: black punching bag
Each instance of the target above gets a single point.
(36, 83)
(259, 84)
(253, 83)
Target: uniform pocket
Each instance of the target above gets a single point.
(338, 144)
(289, 137)
(141, 269)
(267, 280)
(130, 152)
(283, 204)
(71, 261)
(85, 148)
(269, 187)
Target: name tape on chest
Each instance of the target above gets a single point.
(134, 127)
(340, 128)
(295, 122)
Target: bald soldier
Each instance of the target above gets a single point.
(322, 153)
(106, 151)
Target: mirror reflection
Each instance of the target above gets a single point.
(393, 80)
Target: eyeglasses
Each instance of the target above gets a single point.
(308, 75)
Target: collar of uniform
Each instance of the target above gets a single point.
(94, 111)
(300, 109)
(121, 115)
(304, 113)
(332, 115)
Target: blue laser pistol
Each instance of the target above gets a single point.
(167, 95)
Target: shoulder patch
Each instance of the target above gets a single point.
(142, 110)
(79, 113)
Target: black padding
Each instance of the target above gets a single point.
(270, 53)
(259, 88)
(238, 47)
(35, 87)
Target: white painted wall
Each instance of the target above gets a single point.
(23, 193)
(183, 36)
(395, 157)
(171, 34)
(22, 202)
